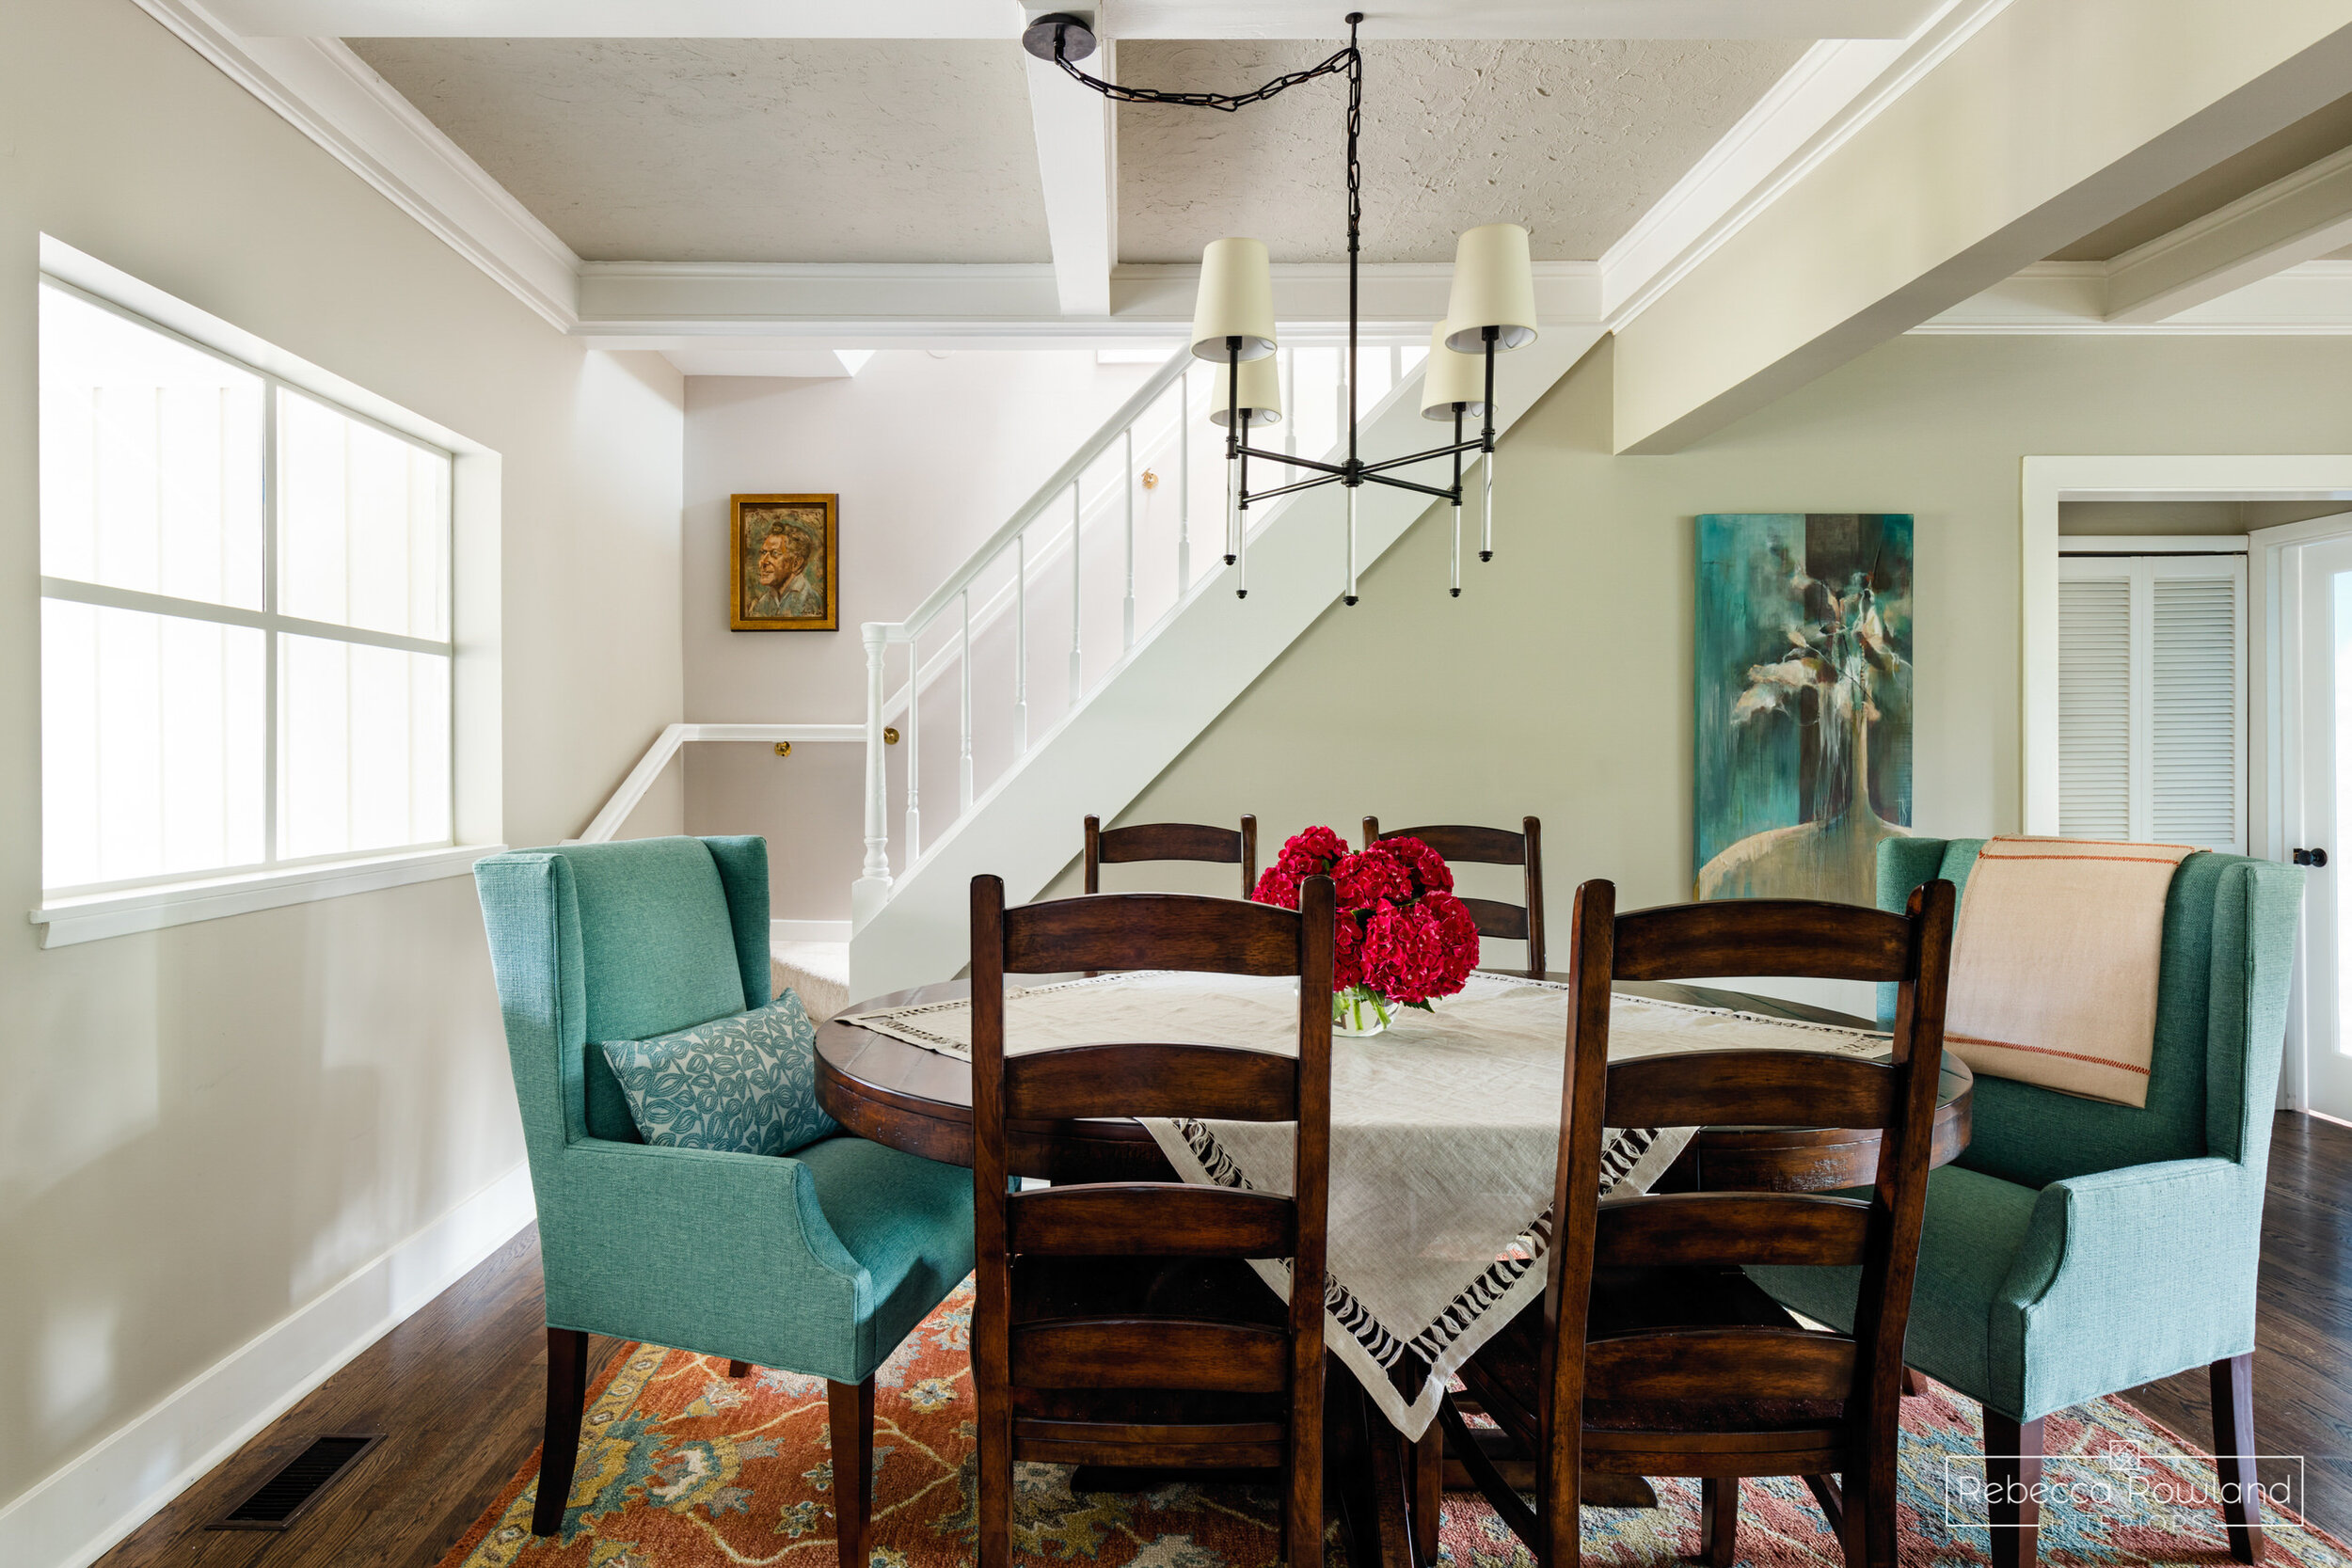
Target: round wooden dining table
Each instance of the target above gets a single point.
(890, 1092)
(893, 1092)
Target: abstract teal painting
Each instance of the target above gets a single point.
(1802, 761)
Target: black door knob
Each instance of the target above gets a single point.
(2310, 857)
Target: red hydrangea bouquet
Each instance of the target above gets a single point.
(1403, 937)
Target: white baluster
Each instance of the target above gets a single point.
(1183, 484)
(1127, 611)
(963, 769)
(1077, 604)
(914, 753)
(872, 890)
(1021, 643)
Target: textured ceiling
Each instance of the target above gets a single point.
(726, 150)
(1575, 139)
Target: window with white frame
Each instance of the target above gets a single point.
(2151, 699)
(245, 645)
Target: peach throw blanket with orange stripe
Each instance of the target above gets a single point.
(2054, 963)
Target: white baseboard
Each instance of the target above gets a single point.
(125, 1477)
(808, 930)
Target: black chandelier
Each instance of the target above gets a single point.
(1491, 308)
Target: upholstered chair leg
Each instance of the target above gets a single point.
(2233, 1455)
(1718, 1521)
(739, 1368)
(851, 1407)
(1911, 1384)
(2012, 1467)
(559, 1450)
(1428, 1494)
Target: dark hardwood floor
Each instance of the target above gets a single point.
(457, 1391)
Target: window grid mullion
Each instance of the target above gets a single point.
(272, 496)
(274, 625)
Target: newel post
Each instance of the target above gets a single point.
(872, 888)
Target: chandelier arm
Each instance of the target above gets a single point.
(1294, 460)
(1421, 456)
(1410, 484)
(1301, 484)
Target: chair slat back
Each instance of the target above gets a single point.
(1763, 936)
(1700, 1364)
(1148, 930)
(1728, 1230)
(1113, 1219)
(1476, 846)
(1172, 841)
(1150, 1353)
(1219, 1083)
(1109, 933)
(1754, 1087)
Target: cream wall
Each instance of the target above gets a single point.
(1560, 683)
(207, 1128)
(930, 454)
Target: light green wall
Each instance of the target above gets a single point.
(205, 1129)
(1560, 683)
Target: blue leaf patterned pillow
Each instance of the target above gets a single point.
(746, 1085)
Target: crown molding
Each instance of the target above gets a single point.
(928, 300)
(1834, 90)
(330, 94)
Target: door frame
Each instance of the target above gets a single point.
(2047, 481)
(2274, 564)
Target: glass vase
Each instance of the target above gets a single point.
(1360, 1013)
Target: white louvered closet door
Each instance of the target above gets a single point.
(2151, 699)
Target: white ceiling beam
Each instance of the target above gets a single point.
(2070, 299)
(1133, 19)
(1077, 165)
(2289, 221)
(2045, 119)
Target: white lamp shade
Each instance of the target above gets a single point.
(1448, 378)
(1261, 394)
(1494, 285)
(1236, 300)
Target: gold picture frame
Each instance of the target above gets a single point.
(786, 563)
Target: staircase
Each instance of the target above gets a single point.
(1186, 647)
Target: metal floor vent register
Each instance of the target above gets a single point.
(289, 1494)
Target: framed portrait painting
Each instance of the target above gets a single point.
(787, 562)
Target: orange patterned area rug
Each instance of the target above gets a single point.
(682, 1468)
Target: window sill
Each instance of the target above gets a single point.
(151, 909)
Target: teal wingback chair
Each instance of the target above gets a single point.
(820, 1262)
(2078, 1248)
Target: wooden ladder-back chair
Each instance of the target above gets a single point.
(1653, 1353)
(1118, 1322)
(1490, 847)
(1172, 841)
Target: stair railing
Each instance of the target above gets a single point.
(1154, 425)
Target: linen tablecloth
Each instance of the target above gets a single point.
(1444, 1136)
